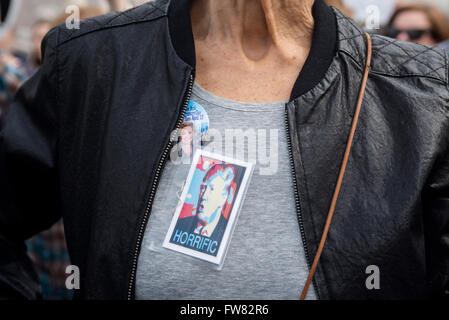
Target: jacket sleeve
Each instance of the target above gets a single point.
(29, 196)
(436, 218)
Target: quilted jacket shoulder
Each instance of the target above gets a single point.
(390, 56)
(149, 11)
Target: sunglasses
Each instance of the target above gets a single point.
(413, 34)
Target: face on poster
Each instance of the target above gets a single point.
(208, 210)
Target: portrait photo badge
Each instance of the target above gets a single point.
(210, 203)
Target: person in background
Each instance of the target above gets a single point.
(48, 250)
(40, 29)
(12, 71)
(442, 5)
(12, 76)
(418, 23)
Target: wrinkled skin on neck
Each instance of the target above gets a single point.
(250, 41)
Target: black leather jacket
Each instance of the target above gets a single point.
(88, 136)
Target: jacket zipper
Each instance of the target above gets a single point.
(154, 187)
(297, 199)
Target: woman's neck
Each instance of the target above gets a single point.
(255, 25)
(251, 50)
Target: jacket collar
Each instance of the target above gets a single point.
(322, 52)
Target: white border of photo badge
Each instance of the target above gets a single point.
(233, 216)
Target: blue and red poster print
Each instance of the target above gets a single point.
(209, 205)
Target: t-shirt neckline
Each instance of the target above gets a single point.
(203, 94)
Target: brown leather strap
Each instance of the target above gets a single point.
(342, 169)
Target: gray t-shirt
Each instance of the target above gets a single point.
(266, 257)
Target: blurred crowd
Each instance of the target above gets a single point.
(419, 21)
